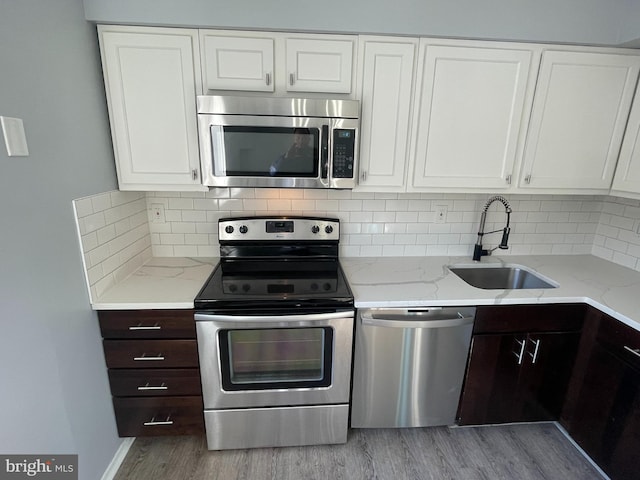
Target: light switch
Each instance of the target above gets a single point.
(14, 137)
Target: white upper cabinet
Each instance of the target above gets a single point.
(579, 114)
(319, 64)
(234, 62)
(150, 83)
(627, 177)
(470, 106)
(280, 63)
(386, 74)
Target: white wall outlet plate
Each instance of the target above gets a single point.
(14, 137)
(441, 213)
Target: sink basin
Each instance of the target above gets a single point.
(501, 277)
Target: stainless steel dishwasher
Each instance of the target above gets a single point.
(409, 366)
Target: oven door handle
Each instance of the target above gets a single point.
(312, 317)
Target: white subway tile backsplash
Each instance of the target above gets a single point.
(114, 236)
(116, 227)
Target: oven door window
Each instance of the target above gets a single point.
(265, 359)
(268, 151)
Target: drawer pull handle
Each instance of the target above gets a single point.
(142, 327)
(154, 423)
(635, 351)
(151, 387)
(144, 358)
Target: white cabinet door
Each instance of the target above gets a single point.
(627, 176)
(232, 62)
(469, 113)
(151, 91)
(385, 89)
(579, 114)
(319, 64)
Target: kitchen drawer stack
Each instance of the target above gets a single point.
(152, 358)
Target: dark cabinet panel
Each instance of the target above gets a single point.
(137, 417)
(154, 382)
(150, 353)
(147, 323)
(604, 415)
(517, 372)
(154, 374)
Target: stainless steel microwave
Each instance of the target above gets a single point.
(278, 142)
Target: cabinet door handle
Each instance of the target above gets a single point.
(142, 327)
(144, 388)
(268, 78)
(508, 179)
(534, 355)
(520, 355)
(154, 423)
(292, 78)
(144, 358)
(194, 174)
(527, 179)
(635, 351)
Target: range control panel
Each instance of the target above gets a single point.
(278, 229)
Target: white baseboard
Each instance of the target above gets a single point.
(118, 458)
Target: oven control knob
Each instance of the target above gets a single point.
(315, 229)
(246, 287)
(328, 229)
(228, 229)
(233, 288)
(314, 286)
(326, 286)
(244, 229)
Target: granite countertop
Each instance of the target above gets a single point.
(173, 283)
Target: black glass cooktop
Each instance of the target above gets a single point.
(249, 284)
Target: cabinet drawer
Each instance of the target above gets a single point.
(137, 417)
(154, 382)
(529, 318)
(150, 353)
(620, 339)
(147, 323)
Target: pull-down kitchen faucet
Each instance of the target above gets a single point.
(478, 251)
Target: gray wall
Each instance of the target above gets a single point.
(606, 22)
(55, 395)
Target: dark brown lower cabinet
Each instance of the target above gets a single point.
(604, 417)
(152, 357)
(517, 373)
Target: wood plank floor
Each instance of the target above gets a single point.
(513, 452)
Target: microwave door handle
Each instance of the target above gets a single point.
(324, 152)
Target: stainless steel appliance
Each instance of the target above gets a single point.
(409, 365)
(278, 142)
(274, 324)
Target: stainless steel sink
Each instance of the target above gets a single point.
(501, 277)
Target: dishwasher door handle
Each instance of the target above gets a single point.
(408, 321)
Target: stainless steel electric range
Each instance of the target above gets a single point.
(275, 327)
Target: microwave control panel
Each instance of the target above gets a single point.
(343, 152)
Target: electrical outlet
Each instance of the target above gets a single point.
(441, 213)
(157, 213)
